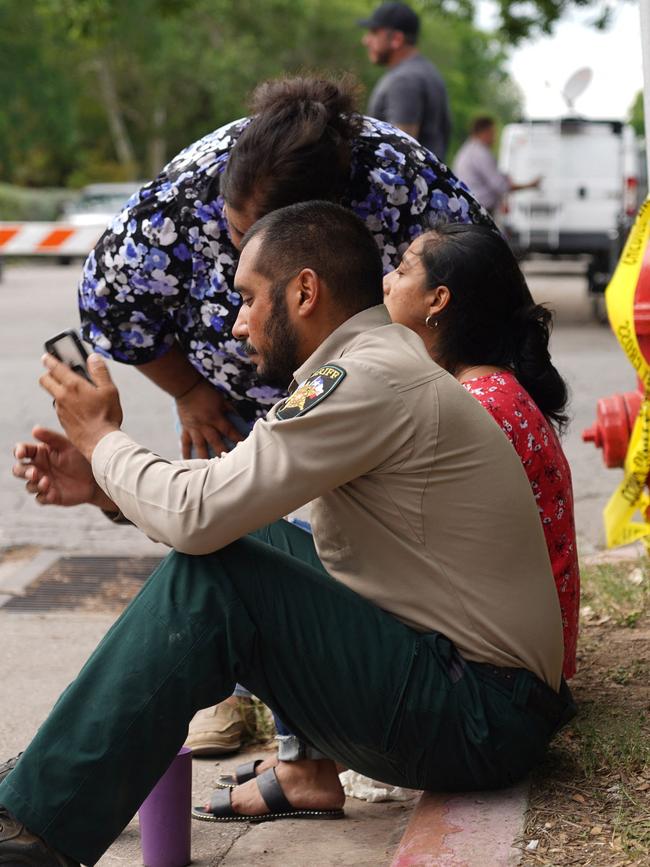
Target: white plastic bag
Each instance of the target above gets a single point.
(357, 786)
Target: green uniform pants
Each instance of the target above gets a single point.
(360, 686)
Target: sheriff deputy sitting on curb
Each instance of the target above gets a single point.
(416, 638)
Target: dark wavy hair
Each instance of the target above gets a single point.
(491, 318)
(297, 147)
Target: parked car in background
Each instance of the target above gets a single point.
(97, 204)
(587, 198)
(95, 207)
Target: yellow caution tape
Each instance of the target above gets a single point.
(631, 495)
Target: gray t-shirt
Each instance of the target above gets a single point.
(413, 92)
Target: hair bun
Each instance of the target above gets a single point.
(319, 101)
(336, 97)
(297, 146)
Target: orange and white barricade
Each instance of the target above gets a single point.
(47, 239)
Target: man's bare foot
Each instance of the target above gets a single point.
(310, 784)
(271, 762)
(245, 772)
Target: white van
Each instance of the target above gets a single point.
(587, 197)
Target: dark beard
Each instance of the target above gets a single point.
(382, 57)
(280, 358)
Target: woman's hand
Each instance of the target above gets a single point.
(57, 473)
(204, 423)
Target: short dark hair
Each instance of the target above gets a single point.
(491, 317)
(481, 123)
(330, 240)
(297, 146)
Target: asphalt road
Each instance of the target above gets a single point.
(37, 301)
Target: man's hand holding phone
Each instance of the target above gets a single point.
(86, 410)
(58, 470)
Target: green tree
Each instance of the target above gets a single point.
(110, 89)
(636, 115)
(37, 123)
(519, 19)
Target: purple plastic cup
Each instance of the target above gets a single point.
(165, 820)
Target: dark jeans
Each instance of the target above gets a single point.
(343, 674)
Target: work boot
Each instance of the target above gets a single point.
(222, 728)
(8, 766)
(20, 848)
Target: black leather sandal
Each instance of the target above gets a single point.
(270, 789)
(243, 773)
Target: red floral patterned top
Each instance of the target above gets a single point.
(539, 448)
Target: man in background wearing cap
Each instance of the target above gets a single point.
(412, 94)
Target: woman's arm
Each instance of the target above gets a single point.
(202, 409)
(172, 372)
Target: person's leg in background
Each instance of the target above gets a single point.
(224, 728)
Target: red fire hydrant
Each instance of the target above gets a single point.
(615, 417)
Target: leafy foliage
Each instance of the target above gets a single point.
(637, 115)
(518, 19)
(110, 89)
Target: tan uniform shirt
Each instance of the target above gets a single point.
(421, 503)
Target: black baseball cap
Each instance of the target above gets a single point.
(393, 16)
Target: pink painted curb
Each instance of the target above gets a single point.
(468, 830)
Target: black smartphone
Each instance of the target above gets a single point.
(69, 349)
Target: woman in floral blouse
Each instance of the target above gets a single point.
(157, 292)
(461, 289)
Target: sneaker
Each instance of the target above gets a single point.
(221, 729)
(20, 848)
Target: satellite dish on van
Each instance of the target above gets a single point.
(576, 85)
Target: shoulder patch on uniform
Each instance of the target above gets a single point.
(312, 391)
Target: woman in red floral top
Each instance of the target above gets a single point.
(460, 288)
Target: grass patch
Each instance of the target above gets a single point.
(619, 592)
(597, 782)
(590, 800)
(608, 739)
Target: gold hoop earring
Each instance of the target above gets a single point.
(427, 321)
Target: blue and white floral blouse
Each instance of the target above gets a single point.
(164, 269)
